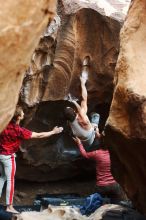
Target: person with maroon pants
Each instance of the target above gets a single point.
(105, 183)
(10, 140)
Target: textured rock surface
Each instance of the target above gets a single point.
(111, 211)
(85, 33)
(21, 24)
(53, 212)
(107, 211)
(65, 48)
(74, 43)
(52, 158)
(116, 9)
(126, 126)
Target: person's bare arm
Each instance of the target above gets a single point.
(77, 105)
(56, 130)
(83, 152)
(82, 110)
(84, 95)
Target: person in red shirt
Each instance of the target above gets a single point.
(10, 140)
(105, 183)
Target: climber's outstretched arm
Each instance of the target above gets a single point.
(84, 95)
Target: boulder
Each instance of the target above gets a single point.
(126, 125)
(21, 24)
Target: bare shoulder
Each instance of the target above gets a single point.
(84, 120)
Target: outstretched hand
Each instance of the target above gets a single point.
(77, 140)
(57, 130)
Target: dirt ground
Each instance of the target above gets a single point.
(25, 192)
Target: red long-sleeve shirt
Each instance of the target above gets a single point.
(11, 138)
(103, 164)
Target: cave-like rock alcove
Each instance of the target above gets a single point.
(43, 47)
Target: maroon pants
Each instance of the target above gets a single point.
(112, 191)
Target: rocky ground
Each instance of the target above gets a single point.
(25, 192)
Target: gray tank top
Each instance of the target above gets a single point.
(86, 136)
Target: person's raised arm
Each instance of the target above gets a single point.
(77, 105)
(55, 130)
(84, 94)
(83, 152)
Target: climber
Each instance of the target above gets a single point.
(78, 119)
(10, 140)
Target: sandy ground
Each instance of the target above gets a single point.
(25, 192)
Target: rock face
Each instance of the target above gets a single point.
(60, 75)
(21, 24)
(53, 158)
(126, 126)
(107, 211)
(54, 73)
(74, 44)
(115, 9)
(53, 212)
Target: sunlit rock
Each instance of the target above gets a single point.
(53, 212)
(111, 8)
(21, 24)
(107, 211)
(126, 126)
